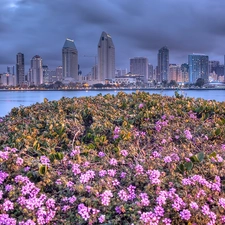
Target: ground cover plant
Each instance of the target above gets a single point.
(125, 159)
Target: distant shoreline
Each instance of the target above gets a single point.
(118, 89)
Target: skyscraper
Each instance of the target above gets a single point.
(36, 75)
(163, 64)
(45, 74)
(58, 73)
(184, 71)
(150, 72)
(139, 65)
(198, 67)
(20, 74)
(106, 58)
(70, 60)
(175, 73)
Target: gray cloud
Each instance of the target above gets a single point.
(138, 28)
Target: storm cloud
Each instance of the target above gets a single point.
(137, 27)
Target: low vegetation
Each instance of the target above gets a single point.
(125, 159)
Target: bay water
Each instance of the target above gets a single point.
(11, 99)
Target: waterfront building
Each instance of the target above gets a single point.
(52, 76)
(213, 65)
(20, 71)
(36, 72)
(7, 79)
(59, 73)
(10, 70)
(163, 64)
(121, 72)
(45, 74)
(150, 72)
(185, 72)
(139, 65)
(198, 67)
(106, 58)
(175, 73)
(70, 60)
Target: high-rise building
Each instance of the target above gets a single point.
(150, 72)
(175, 73)
(10, 70)
(106, 58)
(185, 73)
(139, 66)
(59, 73)
(70, 60)
(213, 65)
(198, 67)
(163, 64)
(36, 73)
(45, 74)
(20, 73)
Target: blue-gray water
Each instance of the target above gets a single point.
(11, 99)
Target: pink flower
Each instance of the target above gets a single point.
(101, 154)
(154, 176)
(105, 197)
(8, 205)
(188, 134)
(124, 152)
(159, 211)
(113, 162)
(222, 202)
(144, 199)
(4, 155)
(141, 106)
(194, 205)
(139, 169)
(185, 214)
(45, 160)
(101, 219)
(75, 151)
(19, 161)
(123, 195)
(167, 221)
(167, 159)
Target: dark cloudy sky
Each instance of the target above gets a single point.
(137, 27)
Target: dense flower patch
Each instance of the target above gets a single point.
(124, 159)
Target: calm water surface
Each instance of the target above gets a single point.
(11, 99)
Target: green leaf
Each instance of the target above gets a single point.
(213, 154)
(194, 159)
(200, 156)
(52, 157)
(59, 155)
(42, 170)
(91, 146)
(181, 167)
(188, 165)
(218, 131)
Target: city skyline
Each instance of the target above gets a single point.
(185, 27)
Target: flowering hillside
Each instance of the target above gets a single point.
(124, 159)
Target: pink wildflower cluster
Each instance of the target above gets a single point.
(188, 134)
(116, 132)
(75, 151)
(86, 212)
(84, 178)
(3, 176)
(45, 160)
(159, 124)
(154, 176)
(105, 197)
(43, 207)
